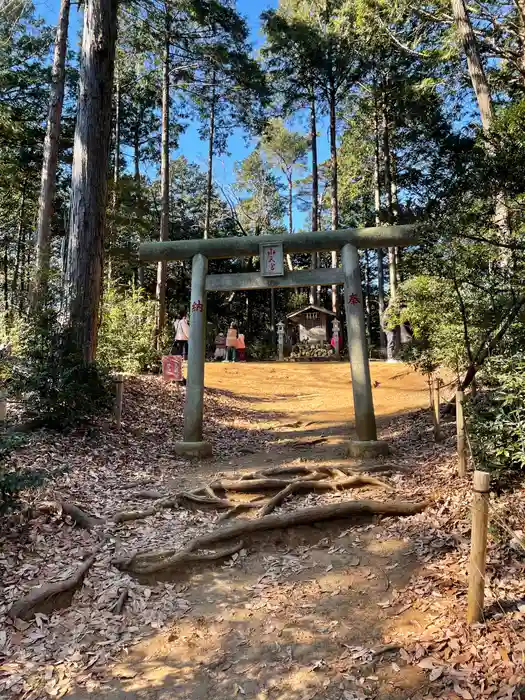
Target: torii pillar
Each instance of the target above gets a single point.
(347, 242)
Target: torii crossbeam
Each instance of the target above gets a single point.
(346, 241)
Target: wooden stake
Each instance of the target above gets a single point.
(437, 430)
(460, 430)
(478, 546)
(119, 399)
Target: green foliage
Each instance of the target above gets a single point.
(429, 305)
(261, 350)
(297, 300)
(50, 379)
(496, 417)
(126, 341)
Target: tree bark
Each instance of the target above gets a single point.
(89, 175)
(368, 297)
(476, 71)
(6, 278)
(314, 297)
(378, 222)
(211, 142)
(19, 247)
(116, 172)
(481, 88)
(392, 272)
(520, 7)
(162, 268)
(138, 192)
(50, 159)
(333, 179)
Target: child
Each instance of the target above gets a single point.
(220, 347)
(231, 343)
(182, 334)
(241, 348)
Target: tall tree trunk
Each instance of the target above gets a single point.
(138, 192)
(211, 142)
(6, 278)
(392, 267)
(89, 175)
(314, 297)
(392, 272)
(395, 210)
(116, 173)
(162, 269)
(368, 296)
(333, 179)
(20, 242)
(476, 71)
(50, 159)
(378, 221)
(289, 179)
(481, 88)
(520, 7)
(272, 319)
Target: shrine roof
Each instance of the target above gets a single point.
(311, 307)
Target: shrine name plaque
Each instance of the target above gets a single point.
(272, 259)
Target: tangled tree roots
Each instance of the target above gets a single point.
(274, 486)
(155, 561)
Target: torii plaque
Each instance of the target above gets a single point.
(346, 241)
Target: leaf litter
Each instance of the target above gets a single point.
(100, 468)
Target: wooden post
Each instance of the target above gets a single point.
(437, 430)
(478, 546)
(460, 431)
(119, 399)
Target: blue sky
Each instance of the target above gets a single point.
(190, 145)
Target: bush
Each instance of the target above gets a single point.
(50, 379)
(262, 350)
(126, 336)
(496, 417)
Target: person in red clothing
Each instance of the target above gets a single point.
(332, 343)
(241, 348)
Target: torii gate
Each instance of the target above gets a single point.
(347, 241)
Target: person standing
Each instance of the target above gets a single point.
(182, 335)
(220, 347)
(241, 348)
(231, 343)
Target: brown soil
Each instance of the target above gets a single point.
(297, 615)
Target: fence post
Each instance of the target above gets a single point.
(460, 431)
(478, 546)
(119, 399)
(435, 395)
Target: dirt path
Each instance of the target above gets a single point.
(317, 394)
(299, 614)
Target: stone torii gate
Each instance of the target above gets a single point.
(346, 241)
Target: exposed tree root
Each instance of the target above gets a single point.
(306, 485)
(118, 605)
(148, 495)
(47, 597)
(152, 562)
(80, 517)
(292, 470)
(125, 516)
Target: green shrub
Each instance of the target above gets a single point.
(51, 381)
(126, 335)
(496, 417)
(261, 350)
